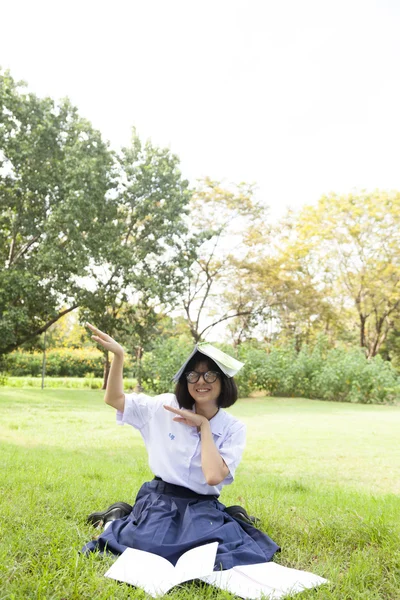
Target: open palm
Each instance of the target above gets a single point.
(186, 416)
(105, 340)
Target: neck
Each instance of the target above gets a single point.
(206, 410)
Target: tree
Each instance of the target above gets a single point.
(276, 279)
(140, 328)
(64, 333)
(79, 225)
(353, 243)
(141, 275)
(55, 210)
(390, 349)
(220, 219)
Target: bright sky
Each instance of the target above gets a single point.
(300, 97)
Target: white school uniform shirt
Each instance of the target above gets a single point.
(174, 449)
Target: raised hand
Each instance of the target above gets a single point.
(187, 417)
(105, 340)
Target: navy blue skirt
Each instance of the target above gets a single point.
(169, 519)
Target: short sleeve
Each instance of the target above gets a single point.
(232, 448)
(138, 410)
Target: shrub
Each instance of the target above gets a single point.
(60, 362)
(161, 364)
(348, 376)
(339, 374)
(94, 383)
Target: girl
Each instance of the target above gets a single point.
(194, 447)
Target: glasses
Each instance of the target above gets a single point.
(208, 376)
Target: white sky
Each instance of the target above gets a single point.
(300, 96)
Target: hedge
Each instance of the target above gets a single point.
(62, 362)
(339, 374)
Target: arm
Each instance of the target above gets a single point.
(114, 395)
(212, 463)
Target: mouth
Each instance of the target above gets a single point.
(202, 390)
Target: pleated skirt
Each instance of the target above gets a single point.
(168, 520)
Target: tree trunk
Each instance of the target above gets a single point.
(380, 337)
(44, 360)
(195, 334)
(106, 372)
(139, 354)
(362, 331)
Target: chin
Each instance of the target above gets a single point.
(208, 400)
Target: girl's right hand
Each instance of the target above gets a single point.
(106, 341)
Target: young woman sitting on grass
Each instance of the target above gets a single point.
(194, 447)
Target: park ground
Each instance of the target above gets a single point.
(323, 477)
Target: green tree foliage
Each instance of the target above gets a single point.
(55, 211)
(390, 349)
(353, 244)
(64, 333)
(141, 276)
(334, 269)
(164, 360)
(79, 225)
(276, 277)
(220, 220)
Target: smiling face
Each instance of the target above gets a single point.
(203, 392)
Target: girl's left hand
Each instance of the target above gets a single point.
(187, 417)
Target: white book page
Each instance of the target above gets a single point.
(280, 578)
(156, 575)
(238, 584)
(196, 563)
(153, 573)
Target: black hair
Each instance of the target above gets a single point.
(229, 392)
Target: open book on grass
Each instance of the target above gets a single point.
(156, 575)
(264, 580)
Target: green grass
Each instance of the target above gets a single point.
(323, 477)
(94, 383)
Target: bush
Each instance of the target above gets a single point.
(348, 376)
(338, 374)
(161, 364)
(60, 362)
(79, 383)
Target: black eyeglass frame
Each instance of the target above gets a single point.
(205, 376)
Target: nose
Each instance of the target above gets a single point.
(202, 376)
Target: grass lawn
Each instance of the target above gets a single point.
(323, 477)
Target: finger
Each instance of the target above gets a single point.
(98, 339)
(177, 411)
(184, 422)
(98, 332)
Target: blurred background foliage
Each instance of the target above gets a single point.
(311, 303)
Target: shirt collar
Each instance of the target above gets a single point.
(217, 423)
